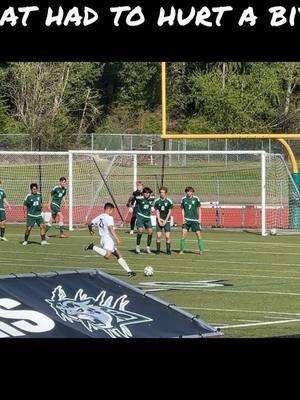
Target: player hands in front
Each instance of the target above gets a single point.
(191, 216)
(32, 207)
(109, 237)
(143, 218)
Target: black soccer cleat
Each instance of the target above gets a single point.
(131, 273)
(89, 247)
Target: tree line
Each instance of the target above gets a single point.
(58, 103)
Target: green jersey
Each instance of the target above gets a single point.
(33, 202)
(163, 206)
(144, 206)
(2, 197)
(57, 194)
(190, 206)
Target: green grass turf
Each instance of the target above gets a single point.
(262, 274)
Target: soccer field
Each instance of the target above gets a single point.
(245, 284)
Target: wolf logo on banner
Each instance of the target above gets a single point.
(98, 313)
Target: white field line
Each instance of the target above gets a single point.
(249, 320)
(240, 311)
(285, 321)
(132, 239)
(7, 261)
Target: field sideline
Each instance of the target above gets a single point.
(245, 284)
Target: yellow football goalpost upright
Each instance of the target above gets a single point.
(278, 136)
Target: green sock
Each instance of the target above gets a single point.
(149, 240)
(47, 228)
(168, 245)
(26, 237)
(158, 246)
(182, 244)
(138, 238)
(43, 237)
(61, 228)
(201, 244)
(2, 232)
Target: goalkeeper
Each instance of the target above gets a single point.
(131, 204)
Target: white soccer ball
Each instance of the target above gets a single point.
(273, 232)
(148, 271)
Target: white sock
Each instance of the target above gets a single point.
(99, 250)
(123, 264)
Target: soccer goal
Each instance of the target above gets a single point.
(246, 190)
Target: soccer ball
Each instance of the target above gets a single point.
(148, 271)
(273, 232)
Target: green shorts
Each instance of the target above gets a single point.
(55, 210)
(166, 228)
(142, 222)
(2, 215)
(31, 221)
(192, 224)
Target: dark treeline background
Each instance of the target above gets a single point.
(60, 102)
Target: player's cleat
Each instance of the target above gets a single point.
(89, 246)
(138, 250)
(25, 243)
(181, 253)
(131, 232)
(4, 239)
(63, 235)
(157, 253)
(201, 253)
(168, 253)
(131, 273)
(148, 251)
(44, 242)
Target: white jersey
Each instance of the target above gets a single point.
(103, 221)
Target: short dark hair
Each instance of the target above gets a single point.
(163, 188)
(189, 189)
(32, 185)
(62, 179)
(139, 183)
(108, 205)
(147, 190)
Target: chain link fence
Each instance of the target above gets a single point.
(116, 141)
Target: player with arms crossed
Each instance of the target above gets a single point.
(191, 216)
(163, 206)
(3, 203)
(143, 218)
(106, 228)
(33, 213)
(57, 200)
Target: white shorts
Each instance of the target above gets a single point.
(108, 244)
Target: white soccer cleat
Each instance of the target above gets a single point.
(4, 239)
(131, 232)
(138, 250)
(44, 242)
(25, 243)
(148, 251)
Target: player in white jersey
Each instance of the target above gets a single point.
(109, 237)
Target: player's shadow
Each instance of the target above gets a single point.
(30, 242)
